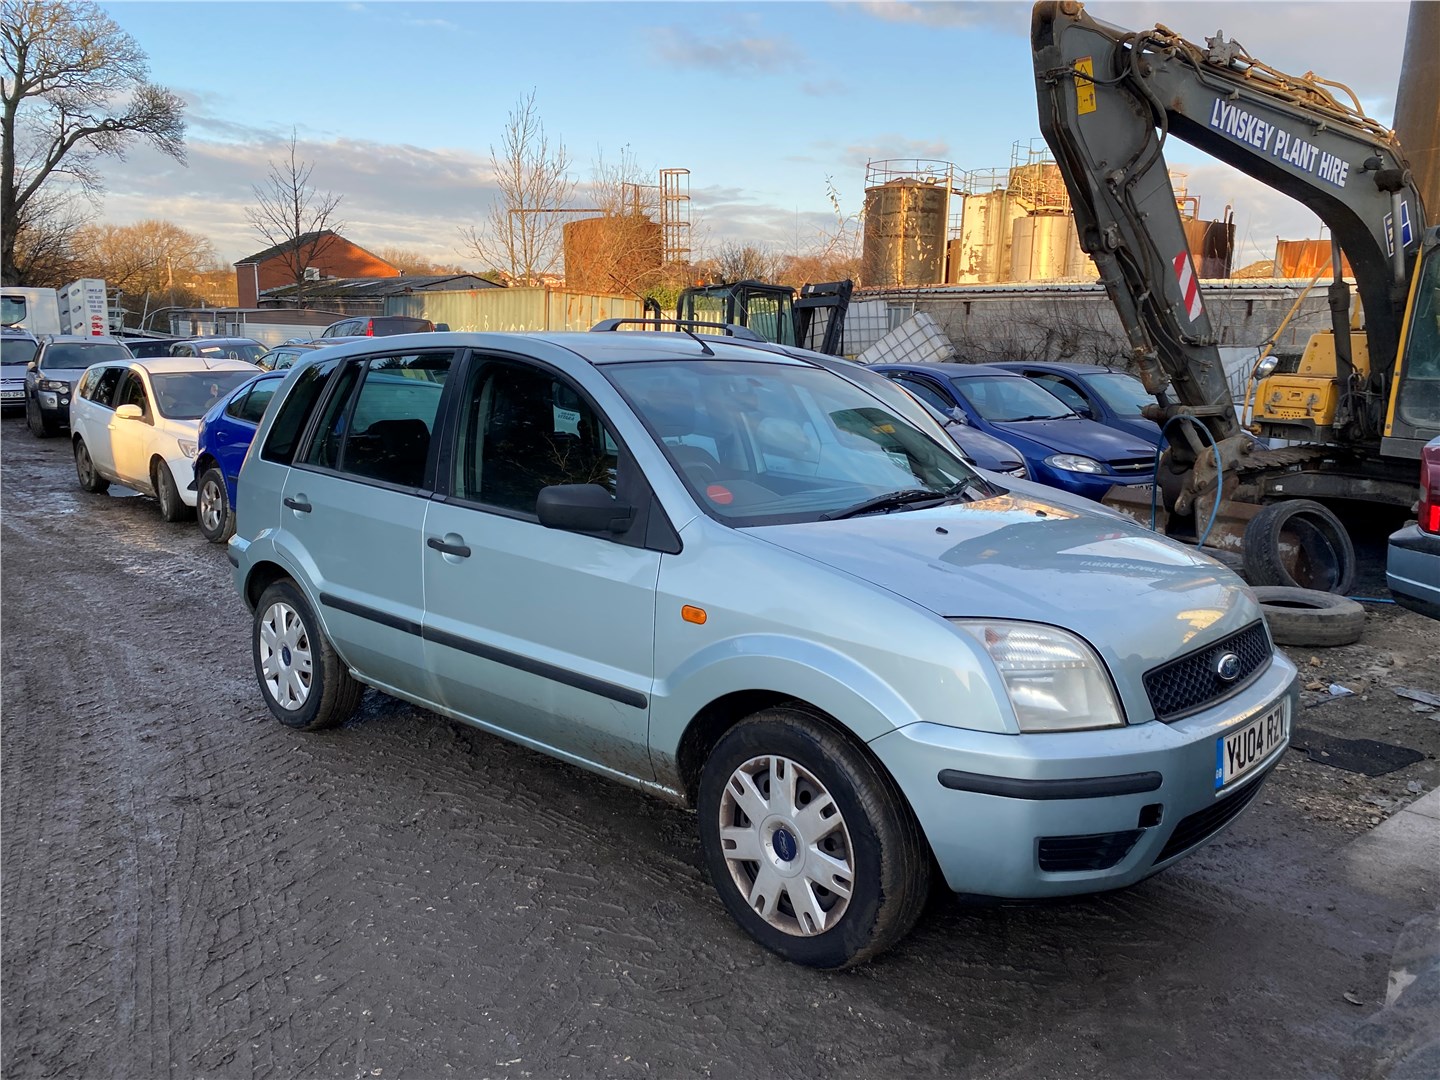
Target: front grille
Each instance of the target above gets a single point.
(1204, 824)
(1135, 465)
(1059, 854)
(1190, 683)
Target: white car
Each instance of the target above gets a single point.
(135, 423)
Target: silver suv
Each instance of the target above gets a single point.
(762, 583)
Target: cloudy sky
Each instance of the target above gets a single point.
(398, 104)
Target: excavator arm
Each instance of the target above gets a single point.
(1109, 99)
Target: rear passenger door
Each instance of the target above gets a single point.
(92, 412)
(542, 633)
(354, 507)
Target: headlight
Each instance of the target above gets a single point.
(59, 386)
(1074, 463)
(1054, 680)
(189, 449)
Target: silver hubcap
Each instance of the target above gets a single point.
(786, 845)
(286, 666)
(82, 458)
(210, 506)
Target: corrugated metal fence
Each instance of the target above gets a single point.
(514, 309)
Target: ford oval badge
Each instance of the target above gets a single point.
(1228, 667)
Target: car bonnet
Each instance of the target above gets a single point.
(1139, 599)
(1076, 435)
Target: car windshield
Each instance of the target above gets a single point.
(17, 351)
(1006, 398)
(765, 443)
(1123, 393)
(187, 396)
(67, 354)
(232, 350)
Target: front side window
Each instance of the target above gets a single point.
(131, 391)
(258, 400)
(1123, 393)
(380, 421)
(764, 443)
(922, 389)
(294, 414)
(1064, 391)
(523, 429)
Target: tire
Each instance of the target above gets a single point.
(89, 476)
(1301, 545)
(212, 507)
(1308, 617)
(302, 679)
(35, 420)
(172, 509)
(872, 834)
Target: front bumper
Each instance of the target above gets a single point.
(54, 405)
(1412, 569)
(1131, 799)
(182, 470)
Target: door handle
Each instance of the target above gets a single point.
(462, 550)
(298, 504)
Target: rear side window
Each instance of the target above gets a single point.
(294, 414)
(385, 434)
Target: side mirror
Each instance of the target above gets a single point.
(30, 366)
(958, 415)
(582, 508)
(129, 412)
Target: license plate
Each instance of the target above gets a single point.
(11, 395)
(1245, 748)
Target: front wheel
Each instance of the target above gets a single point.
(212, 507)
(172, 507)
(303, 679)
(90, 478)
(35, 420)
(811, 846)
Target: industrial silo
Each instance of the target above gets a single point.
(1040, 249)
(982, 254)
(907, 213)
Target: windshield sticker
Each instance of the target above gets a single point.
(1250, 130)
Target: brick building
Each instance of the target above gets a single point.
(327, 255)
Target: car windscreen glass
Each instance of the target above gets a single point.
(1123, 393)
(766, 443)
(12, 309)
(17, 351)
(64, 355)
(231, 351)
(1005, 398)
(189, 395)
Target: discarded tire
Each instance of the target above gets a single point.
(1309, 617)
(1301, 545)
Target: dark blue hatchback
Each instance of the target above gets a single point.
(1109, 397)
(225, 435)
(1060, 448)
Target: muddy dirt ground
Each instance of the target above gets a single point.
(190, 889)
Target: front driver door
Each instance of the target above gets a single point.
(545, 634)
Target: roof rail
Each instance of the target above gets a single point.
(740, 333)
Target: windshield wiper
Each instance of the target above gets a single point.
(1020, 419)
(891, 500)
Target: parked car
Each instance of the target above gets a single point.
(1109, 397)
(17, 349)
(134, 423)
(1060, 448)
(224, 436)
(219, 348)
(981, 450)
(1412, 567)
(377, 326)
(284, 356)
(60, 360)
(736, 578)
(143, 347)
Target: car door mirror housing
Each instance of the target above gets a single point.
(129, 412)
(582, 508)
(958, 415)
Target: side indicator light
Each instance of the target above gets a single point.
(693, 614)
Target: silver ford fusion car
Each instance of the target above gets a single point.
(762, 584)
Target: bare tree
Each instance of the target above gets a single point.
(412, 261)
(45, 239)
(733, 261)
(74, 89)
(524, 226)
(149, 256)
(293, 217)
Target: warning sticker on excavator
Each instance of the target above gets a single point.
(1084, 87)
(1189, 287)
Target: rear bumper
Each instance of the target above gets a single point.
(1023, 816)
(1412, 569)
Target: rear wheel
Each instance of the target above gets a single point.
(212, 507)
(172, 507)
(812, 848)
(90, 478)
(302, 678)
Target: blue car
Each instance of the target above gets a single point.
(1109, 397)
(225, 434)
(1061, 449)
